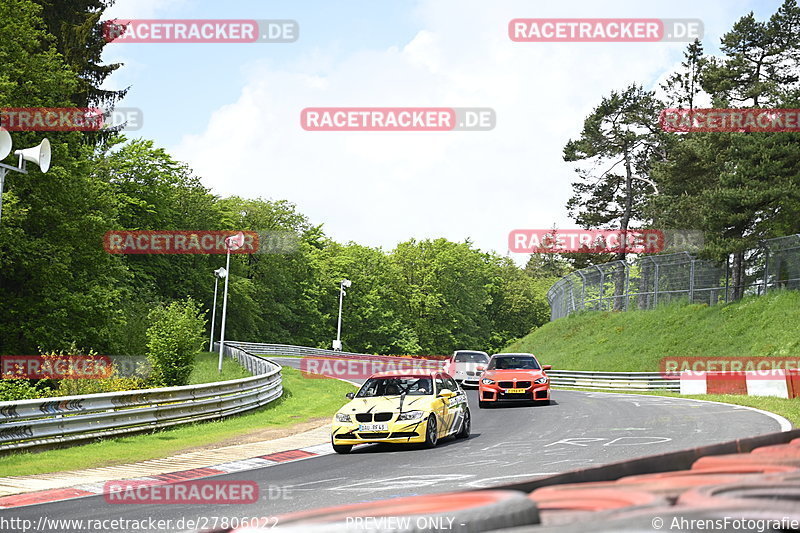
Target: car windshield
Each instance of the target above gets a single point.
(470, 357)
(514, 362)
(392, 386)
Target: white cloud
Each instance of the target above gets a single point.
(381, 188)
(141, 9)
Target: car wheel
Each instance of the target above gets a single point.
(431, 432)
(342, 448)
(466, 425)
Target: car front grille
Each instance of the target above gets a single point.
(373, 435)
(399, 434)
(364, 417)
(383, 417)
(513, 385)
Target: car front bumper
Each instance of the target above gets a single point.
(401, 432)
(494, 393)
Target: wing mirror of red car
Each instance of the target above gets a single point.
(547, 367)
(480, 368)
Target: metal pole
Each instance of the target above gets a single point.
(3, 173)
(213, 313)
(691, 282)
(655, 288)
(627, 296)
(727, 275)
(339, 325)
(224, 309)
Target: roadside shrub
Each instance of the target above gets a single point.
(12, 390)
(175, 336)
(111, 381)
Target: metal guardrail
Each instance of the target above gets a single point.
(628, 381)
(292, 350)
(43, 421)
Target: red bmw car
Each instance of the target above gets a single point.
(514, 377)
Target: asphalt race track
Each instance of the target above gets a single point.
(580, 429)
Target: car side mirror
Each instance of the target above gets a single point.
(350, 395)
(446, 393)
(547, 367)
(480, 368)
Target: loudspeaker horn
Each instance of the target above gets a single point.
(5, 143)
(38, 154)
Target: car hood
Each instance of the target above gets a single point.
(382, 404)
(513, 373)
(466, 365)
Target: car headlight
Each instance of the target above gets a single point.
(411, 415)
(487, 381)
(343, 417)
(541, 380)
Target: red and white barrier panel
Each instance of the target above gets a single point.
(774, 382)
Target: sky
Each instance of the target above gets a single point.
(232, 111)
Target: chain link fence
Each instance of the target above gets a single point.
(658, 279)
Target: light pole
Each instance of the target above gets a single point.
(234, 242)
(218, 273)
(38, 154)
(337, 344)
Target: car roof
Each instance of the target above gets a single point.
(514, 355)
(401, 373)
(470, 351)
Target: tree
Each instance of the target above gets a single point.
(57, 285)
(739, 187)
(621, 131)
(683, 87)
(77, 28)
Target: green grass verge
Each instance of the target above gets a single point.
(206, 365)
(303, 400)
(635, 341)
(788, 408)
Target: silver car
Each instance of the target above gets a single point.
(466, 366)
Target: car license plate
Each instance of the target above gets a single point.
(515, 391)
(373, 427)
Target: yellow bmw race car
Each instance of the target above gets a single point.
(402, 407)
